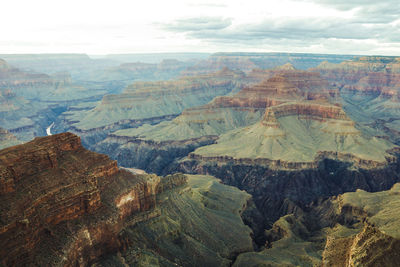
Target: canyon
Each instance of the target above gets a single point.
(64, 205)
(229, 159)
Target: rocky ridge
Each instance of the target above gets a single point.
(50, 186)
(64, 205)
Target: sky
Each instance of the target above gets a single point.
(368, 27)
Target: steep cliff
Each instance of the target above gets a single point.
(63, 205)
(199, 225)
(353, 229)
(58, 197)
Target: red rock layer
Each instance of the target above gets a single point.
(367, 74)
(283, 87)
(376, 83)
(306, 110)
(55, 195)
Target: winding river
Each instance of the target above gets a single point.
(48, 129)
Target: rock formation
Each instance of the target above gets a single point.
(353, 229)
(50, 182)
(162, 143)
(369, 92)
(150, 102)
(64, 205)
(304, 138)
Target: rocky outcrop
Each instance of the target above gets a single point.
(199, 224)
(371, 247)
(91, 137)
(366, 233)
(307, 110)
(64, 205)
(352, 229)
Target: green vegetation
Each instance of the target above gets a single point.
(199, 225)
(193, 123)
(297, 140)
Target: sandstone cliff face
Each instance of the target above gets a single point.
(300, 112)
(366, 233)
(64, 205)
(370, 247)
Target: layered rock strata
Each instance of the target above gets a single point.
(369, 92)
(310, 145)
(64, 205)
(149, 102)
(353, 229)
(209, 121)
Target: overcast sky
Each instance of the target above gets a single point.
(117, 26)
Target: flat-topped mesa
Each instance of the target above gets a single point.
(284, 86)
(215, 63)
(351, 71)
(309, 110)
(188, 83)
(278, 87)
(59, 199)
(249, 61)
(302, 134)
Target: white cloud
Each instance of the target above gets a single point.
(120, 26)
